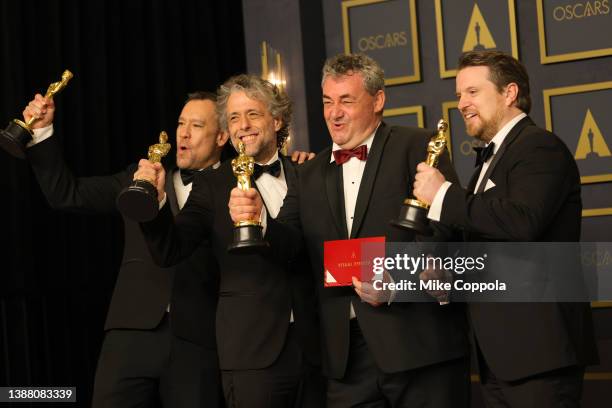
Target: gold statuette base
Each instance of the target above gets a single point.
(247, 223)
(416, 203)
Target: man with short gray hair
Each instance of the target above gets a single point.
(375, 354)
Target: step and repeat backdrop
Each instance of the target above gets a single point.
(566, 46)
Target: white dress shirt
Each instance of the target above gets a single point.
(352, 172)
(435, 211)
(272, 189)
(40, 135)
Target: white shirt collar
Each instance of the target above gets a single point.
(367, 142)
(498, 139)
(273, 159)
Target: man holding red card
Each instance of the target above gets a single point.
(376, 353)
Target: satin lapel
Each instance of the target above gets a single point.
(335, 196)
(289, 169)
(369, 177)
(170, 193)
(514, 132)
(472, 184)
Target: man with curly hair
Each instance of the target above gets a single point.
(266, 329)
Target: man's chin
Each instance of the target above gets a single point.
(182, 163)
(474, 133)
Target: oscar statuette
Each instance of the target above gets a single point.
(17, 134)
(139, 202)
(413, 214)
(248, 235)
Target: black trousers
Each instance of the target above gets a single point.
(364, 385)
(146, 368)
(291, 381)
(560, 388)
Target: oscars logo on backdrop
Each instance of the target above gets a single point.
(591, 144)
(478, 36)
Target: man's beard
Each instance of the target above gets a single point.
(486, 131)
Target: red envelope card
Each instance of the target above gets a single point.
(346, 258)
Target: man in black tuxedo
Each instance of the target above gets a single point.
(266, 328)
(159, 342)
(526, 188)
(375, 354)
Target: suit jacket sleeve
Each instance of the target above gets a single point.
(65, 191)
(173, 239)
(538, 182)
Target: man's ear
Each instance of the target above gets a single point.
(222, 138)
(278, 123)
(379, 101)
(511, 93)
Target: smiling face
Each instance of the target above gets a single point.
(351, 113)
(198, 138)
(249, 121)
(484, 108)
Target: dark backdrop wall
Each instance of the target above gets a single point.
(133, 63)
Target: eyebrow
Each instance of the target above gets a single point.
(181, 118)
(341, 96)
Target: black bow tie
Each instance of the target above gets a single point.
(483, 154)
(273, 169)
(187, 175)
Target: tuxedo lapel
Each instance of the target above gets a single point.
(472, 184)
(289, 169)
(514, 132)
(369, 177)
(170, 192)
(334, 188)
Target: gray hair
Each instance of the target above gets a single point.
(348, 64)
(254, 87)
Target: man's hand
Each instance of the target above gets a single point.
(427, 182)
(367, 293)
(439, 275)
(154, 173)
(42, 109)
(245, 205)
(301, 157)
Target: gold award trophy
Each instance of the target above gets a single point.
(248, 235)
(139, 202)
(413, 214)
(17, 134)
